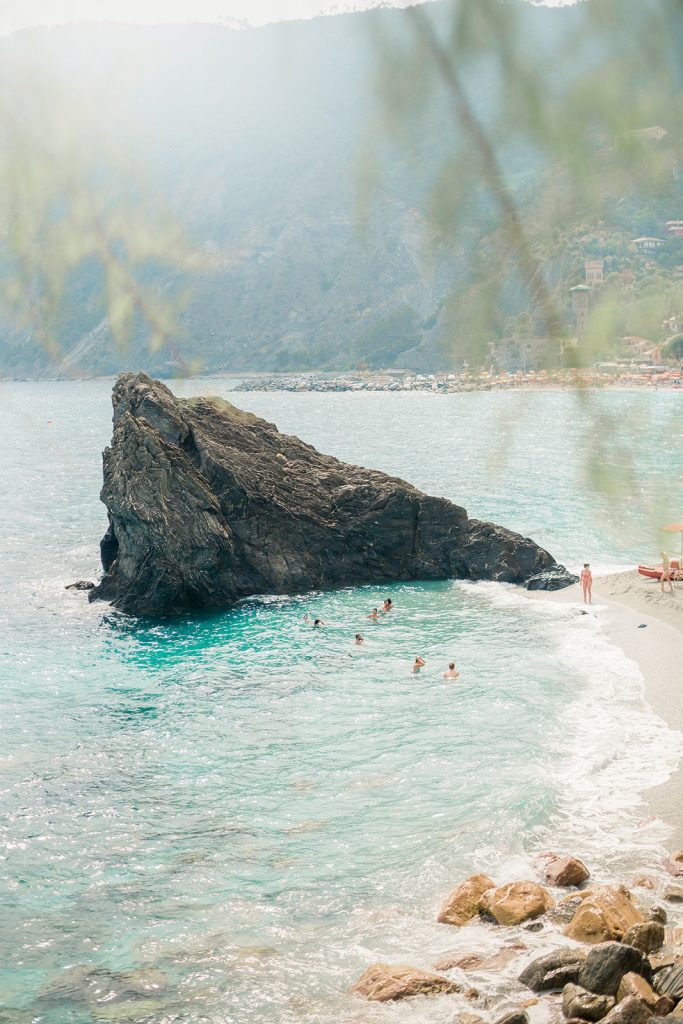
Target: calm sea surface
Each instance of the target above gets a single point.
(258, 810)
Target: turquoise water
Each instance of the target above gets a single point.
(259, 809)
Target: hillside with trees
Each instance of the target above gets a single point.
(288, 218)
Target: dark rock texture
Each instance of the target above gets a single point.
(669, 982)
(606, 965)
(208, 504)
(555, 578)
(579, 1002)
(552, 972)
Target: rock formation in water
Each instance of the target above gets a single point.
(209, 504)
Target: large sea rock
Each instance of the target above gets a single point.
(208, 504)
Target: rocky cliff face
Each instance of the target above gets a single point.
(208, 504)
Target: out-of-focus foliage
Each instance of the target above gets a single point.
(71, 198)
(575, 150)
(573, 145)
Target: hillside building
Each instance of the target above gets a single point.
(594, 271)
(580, 296)
(647, 244)
(675, 228)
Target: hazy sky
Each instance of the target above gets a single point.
(16, 14)
(20, 13)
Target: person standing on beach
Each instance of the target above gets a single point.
(666, 573)
(418, 664)
(452, 671)
(587, 583)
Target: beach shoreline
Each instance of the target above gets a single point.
(648, 627)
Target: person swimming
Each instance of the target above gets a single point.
(418, 664)
(452, 671)
(318, 622)
(374, 615)
(359, 638)
(388, 605)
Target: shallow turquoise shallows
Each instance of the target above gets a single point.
(259, 809)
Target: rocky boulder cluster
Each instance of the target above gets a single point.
(617, 963)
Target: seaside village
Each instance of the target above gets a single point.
(517, 360)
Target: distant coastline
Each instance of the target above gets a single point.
(453, 383)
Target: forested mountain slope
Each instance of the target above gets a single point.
(256, 143)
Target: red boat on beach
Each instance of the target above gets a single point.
(654, 572)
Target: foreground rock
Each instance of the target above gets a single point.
(552, 972)
(383, 983)
(635, 985)
(477, 962)
(630, 1011)
(516, 902)
(607, 913)
(648, 937)
(463, 903)
(669, 982)
(564, 871)
(579, 1002)
(556, 578)
(208, 504)
(80, 585)
(605, 966)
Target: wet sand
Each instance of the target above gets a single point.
(626, 602)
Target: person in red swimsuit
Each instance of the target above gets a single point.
(587, 583)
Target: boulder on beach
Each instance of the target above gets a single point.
(607, 963)
(550, 973)
(579, 1002)
(516, 902)
(463, 903)
(514, 1017)
(606, 914)
(635, 985)
(669, 981)
(208, 504)
(555, 578)
(478, 961)
(674, 863)
(564, 871)
(80, 585)
(644, 882)
(383, 983)
(674, 893)
(629, 1011)
(648, 937)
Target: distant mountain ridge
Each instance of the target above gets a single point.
(254, 140)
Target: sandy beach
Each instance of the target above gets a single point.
(626, 602)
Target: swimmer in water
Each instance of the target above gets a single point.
(388, 605)
(318, 622)
(418, 664)
(374, 615)
(452, 671)
(359, 639)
